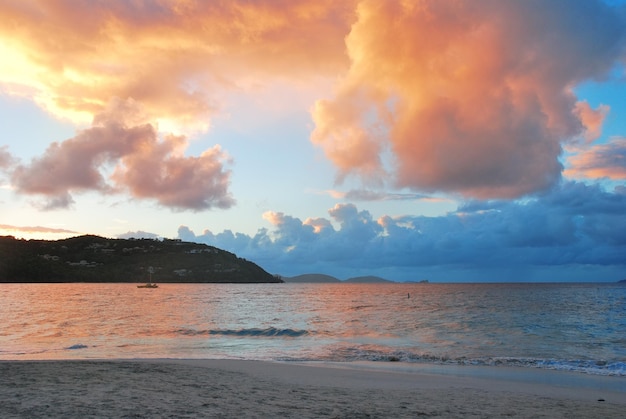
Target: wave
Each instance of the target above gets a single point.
(588, 366)
(254, 332)
(77, 346)
(361, 307)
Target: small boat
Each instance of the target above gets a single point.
(149, 284)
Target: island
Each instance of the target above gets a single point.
(316, 278)
(312, 278)
(92, 258)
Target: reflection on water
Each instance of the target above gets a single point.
(570, 326)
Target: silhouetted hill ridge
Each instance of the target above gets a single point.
(97, 259)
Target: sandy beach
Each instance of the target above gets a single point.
(248, 389)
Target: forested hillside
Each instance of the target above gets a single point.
(98, 259)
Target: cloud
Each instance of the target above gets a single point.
(592, 119)
(373, 195)
(473, 98)
(599, 161)
(465, 97)
(7, 164)
(176, 58)
(138, 235)
(146, 76)
(141, 163)
(6, 159)
(57, 202)
(35, 229)
(570, 226)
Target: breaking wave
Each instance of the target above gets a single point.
(253, 332)
(588, 366)
(77, 346)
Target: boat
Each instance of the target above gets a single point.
(149, 284)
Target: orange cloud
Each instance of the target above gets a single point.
(36, 232)
(600, 161)
(471, 97)
(320, 225)
(273, 217)
(592, 119)
(137, 70)
(172, 57)
(36, 229)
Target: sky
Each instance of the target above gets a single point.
(430, 139)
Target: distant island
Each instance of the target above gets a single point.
(97, 259)
(311, 278)
(367, 280)
(328, 279)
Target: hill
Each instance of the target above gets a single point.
(98, 259)
(367, 280)
(326, 279)
(316, 278)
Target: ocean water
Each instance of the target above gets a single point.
(575, 327)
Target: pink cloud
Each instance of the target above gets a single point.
(466, 97)
(142, 163)
(75, 164)
(172, 64)
(176, 58)
(371, 195)
(469, 97)
(600, 161)
(6, 159)
(592, 119)
(176, 181)
(35, 229)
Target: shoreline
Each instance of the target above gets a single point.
(223, 388)
(399, 376)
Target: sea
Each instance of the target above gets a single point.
(559, 326)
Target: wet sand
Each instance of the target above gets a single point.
(254, 389)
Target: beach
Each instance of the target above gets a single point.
(153, 388)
